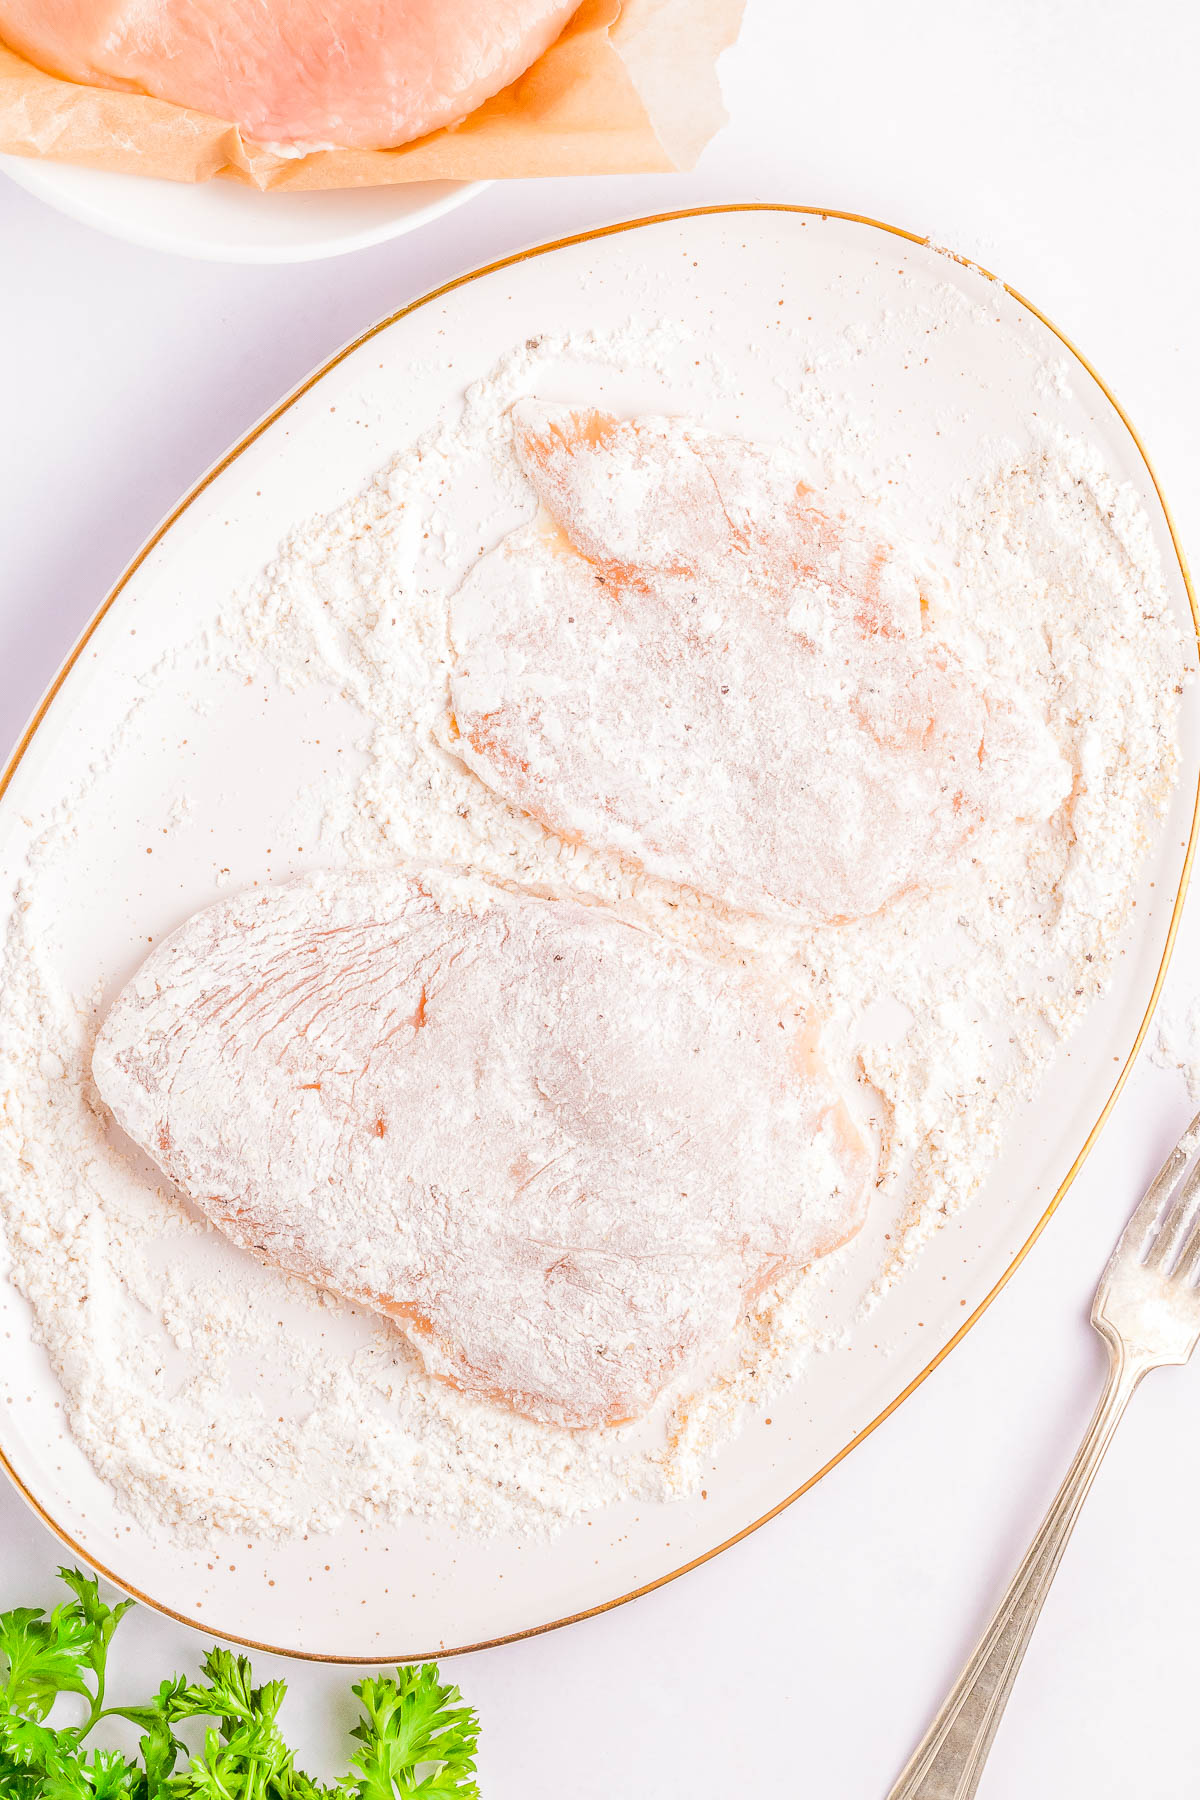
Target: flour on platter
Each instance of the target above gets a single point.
(218, 1396)
(1177, 1046)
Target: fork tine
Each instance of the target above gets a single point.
(1146, 1213)
(1163, 1243)
(1189, 1255)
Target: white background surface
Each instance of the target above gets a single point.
(1054, 140)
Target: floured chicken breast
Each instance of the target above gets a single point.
(690, 659)
(293, 72)
(562, 1154)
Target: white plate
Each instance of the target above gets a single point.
(222, 221)
(401, 1591)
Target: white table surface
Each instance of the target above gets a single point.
(1054, 140)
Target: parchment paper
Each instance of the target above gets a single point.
(630, 85)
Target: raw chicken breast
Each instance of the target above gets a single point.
(562, 1154)
(293, 72)
(689, 659)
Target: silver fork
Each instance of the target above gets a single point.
(1147, 1309)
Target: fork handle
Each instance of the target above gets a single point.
(948, 1762)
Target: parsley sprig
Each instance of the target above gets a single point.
(416, 1740)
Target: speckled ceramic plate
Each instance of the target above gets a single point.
(733, 276)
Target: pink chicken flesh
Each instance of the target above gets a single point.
(690, 659)
(290, 71)
(565, 1156)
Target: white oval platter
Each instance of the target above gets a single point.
(737, 279)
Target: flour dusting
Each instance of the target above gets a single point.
(1177, 1046)
(219, 1396)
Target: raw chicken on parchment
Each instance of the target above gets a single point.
(307, 74)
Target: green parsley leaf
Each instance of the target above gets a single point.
(100, 1775)
(417, 1741)
(45, 1657)
(408, 1724)
(26, 1752)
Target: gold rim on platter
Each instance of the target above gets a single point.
(231, 457)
